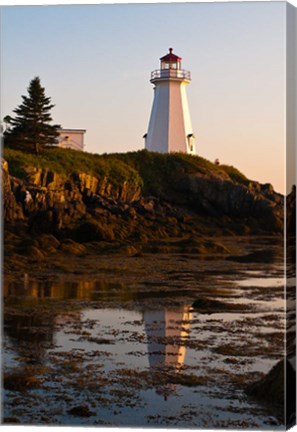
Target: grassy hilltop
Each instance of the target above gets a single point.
(154, 172)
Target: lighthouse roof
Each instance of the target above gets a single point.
(170, 57)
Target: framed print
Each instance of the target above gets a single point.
(149, 215)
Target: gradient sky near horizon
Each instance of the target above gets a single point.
(95, 62)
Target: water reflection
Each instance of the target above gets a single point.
(27, 289)
(118, 356)
(32, 331)
(30, 334)
(167, 330)
(35, 328)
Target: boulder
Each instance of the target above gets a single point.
(47, 242)
(34, 253)
(93, 231)
(72, 248)
(81, 411)
(277, 388)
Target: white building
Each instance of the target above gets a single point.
(170, 128)
(71, 138)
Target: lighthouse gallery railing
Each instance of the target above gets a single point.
(170, 73)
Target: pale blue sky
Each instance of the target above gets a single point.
(95, 63)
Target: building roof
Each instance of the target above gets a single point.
(72, 130)
(170, 57)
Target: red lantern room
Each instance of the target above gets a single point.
(170, 68)
(170, 61)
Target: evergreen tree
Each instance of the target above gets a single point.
(30, 129)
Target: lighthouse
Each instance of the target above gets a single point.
(170, 128)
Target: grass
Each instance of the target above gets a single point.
(156, 173)
(161, 172)
(66, 162)
(235, 174)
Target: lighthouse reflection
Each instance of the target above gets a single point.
(38, 319)
(167, 331)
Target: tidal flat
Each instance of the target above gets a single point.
(118, 340)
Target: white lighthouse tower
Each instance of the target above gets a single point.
(170, 128)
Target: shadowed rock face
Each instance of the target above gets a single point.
(219, 197)
(291, 212)
(278, 388)
(50, 202)
(11, 209)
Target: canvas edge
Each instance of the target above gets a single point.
(290, 234)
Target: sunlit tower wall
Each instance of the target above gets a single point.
(170, 127)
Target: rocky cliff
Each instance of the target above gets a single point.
(51, 202)
(179, 199)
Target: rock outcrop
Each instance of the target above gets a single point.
(278, 388)
(221, 197)
(291, 212)
(51, 202)
(85, 207)
(12, 210)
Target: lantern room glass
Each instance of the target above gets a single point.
(171, 65)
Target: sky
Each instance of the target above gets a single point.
(95, 63)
